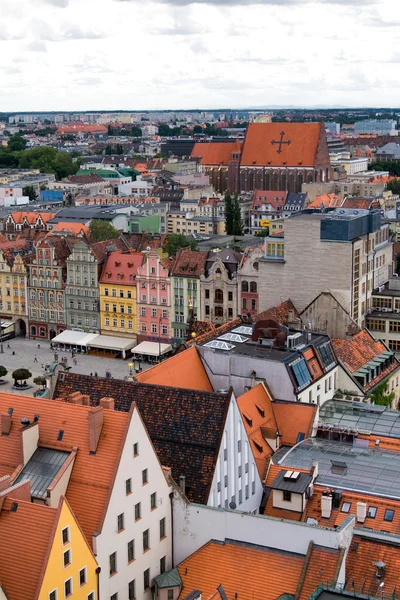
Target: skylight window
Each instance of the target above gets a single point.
(301, 373)
(371, 513)
(243, 330)
(345, 507)
(326, 355)
(219, 345)
(233, 337)
(389, 514)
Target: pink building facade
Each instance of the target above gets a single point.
(153, 301)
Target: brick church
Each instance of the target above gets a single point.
(273, 156)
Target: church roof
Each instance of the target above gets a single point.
(263, 147)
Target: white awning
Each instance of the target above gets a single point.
(74, 338)
(111, 342)
(152, 348)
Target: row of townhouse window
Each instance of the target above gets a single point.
(7, 306)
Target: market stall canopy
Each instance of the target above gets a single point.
(152, 349)
(74, 338)
(110, 342)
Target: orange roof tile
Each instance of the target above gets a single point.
(70, 228)
(257, 413)
(120, 266)
(294, 418)
(322, 568)
(184, 370)
(215, 153)
(92, 475)
(242, 570)
(280, 313)
(25, 536)
(328, 200)
(31, 217)
(259, 149)
(361, 570)
(357, 351)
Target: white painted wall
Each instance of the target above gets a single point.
(296, 503)
(195, 525)
(109, 540)
(246, 490)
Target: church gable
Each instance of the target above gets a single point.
(281, 144)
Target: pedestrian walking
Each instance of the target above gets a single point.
(75, 360)
(8, 346)
(35, 358)
(38, 347)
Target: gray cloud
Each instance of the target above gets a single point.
(58, 3)
(65, 32)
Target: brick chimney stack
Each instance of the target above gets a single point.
(96, 418)
(108, 403)
(5, 423)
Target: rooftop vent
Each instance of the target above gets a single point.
(380, 569)
(25, 422)
(14, 507)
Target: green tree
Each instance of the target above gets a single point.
(394, 186)
(264, 232)
(398, 264)
(48, 160)
(379, 395)
(237, 225)
(197, 129)
(119, 149)
(228, 213)
(102, 230)
(3, 372)
(21, 375)
(16, 143)
(109, 150)
(40, 380)
(174, 241)
(30, 191)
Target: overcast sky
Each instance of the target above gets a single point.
(131, 54)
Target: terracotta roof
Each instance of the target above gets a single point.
(215, 153)
(174, 372)
(92, 475)
(185, 425)
(25, 536)
(357, 203)
(70, 228)
(31, 217)
(357, 351)
(259, 149)
(83, 179)
(200, 328)
(280, 313)
(217, 331)
(188, 263)
(378, 523)
(120, 267)
(254, 572)
(294, 418)
(259, 420)
(361, 570)
(100, 248)
(328, 200)
(276, 199)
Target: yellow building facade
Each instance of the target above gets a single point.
(13, 291)
(118, 295)
(71, 566)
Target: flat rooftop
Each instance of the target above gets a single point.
(345, 466)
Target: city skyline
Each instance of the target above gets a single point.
(61, 55)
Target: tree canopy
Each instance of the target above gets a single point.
(44, 158)
(21, 374)
(174, 241)
(393, 166)
(379, 395)
(102, 230)
(16, 143)
(394, 186)
(30, 191)
(3, 371)
(233, 216)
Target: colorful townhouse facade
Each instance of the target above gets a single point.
(82, 295)
(185, 288)
(46, 289)
(154, 299)
(45, 555)
(19, 221)
(118, 294)
(13, 291)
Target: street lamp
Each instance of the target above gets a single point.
(130, 365)
(159, 338)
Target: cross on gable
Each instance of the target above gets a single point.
(281, 142)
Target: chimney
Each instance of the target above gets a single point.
(85, 399)
(75, 398)
(108, 403)
(361, 512)
(5, 423)
(182, 483)
(326, 505)
(95, 417)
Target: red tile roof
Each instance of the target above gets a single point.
(361, 570)
(281, 313)
(328, 200)
(256, 573)
(215, 153)
(294, 418)
(120, 267)
(357, 351)
(259, 149)
(25, 536)
(84, 179)
(261, 197)
(92, 475)
(184, 370)
(31, 217)
(70, 228)
(188, 263)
